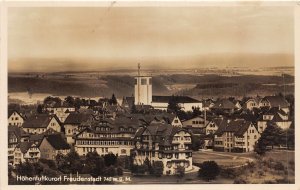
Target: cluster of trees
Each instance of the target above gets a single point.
(93, 164)
(275, 136)
(155, 168)
(41, 168)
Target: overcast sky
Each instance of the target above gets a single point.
(57, 39)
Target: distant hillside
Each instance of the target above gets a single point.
(123, 85)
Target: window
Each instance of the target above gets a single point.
(143, 81)
(150, 81)
(176, 121)
(135, 81)
(254, 136)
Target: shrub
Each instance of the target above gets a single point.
(209, 170)
(180, 171)
(158, 168)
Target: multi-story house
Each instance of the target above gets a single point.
(196, 125)
(52, 145)
(39, 123)
(61, 112)
(213, 125)
(252, 103)
(274, 115)
(224, 105)
(15, 118)
(72, 123)
(275, 101)
(107, 136)
(16, 135)
(236, 136)
(26, 151)
(163, 142)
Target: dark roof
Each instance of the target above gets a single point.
(238, 127)
(24, 146)
(276, 112)
(10, 112)
(77, 118)
(17, 131)
(161, 133)
(57, 142)
(223, 104)
(179, 99)
(38, 121)
(277, 101)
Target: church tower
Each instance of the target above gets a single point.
(142, 89)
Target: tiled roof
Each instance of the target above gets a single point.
(57, 142)
(38, 121)
(223, 104)
(161, 133)
(17, 131)
(238, 127)
(24, 146)
(179, 99)
(77, 118)
(277, 101)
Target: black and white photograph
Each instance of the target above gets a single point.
(151, 93)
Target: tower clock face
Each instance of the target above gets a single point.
(138, 145)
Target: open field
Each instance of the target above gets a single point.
(223, 158)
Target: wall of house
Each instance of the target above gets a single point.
(70, 130)
(143, 91)
(211, 128)
(15, 119)
(53, 124)
(195, 122)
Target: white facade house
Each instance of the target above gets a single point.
(165, 143)
(275, 115)
(236, 136)
(15, 118)
(39, 123)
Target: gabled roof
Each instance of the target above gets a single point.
(161, 133)
(10, 112)
(38, 121)
(77, 118)
(223, 104)
(57, 142)
(277, 101)
(24, 146)
(238, 127)
(179, 99)
(17, 131)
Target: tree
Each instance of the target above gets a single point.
(180, 171)
(173, 105)
(158, 168)
(49, 100)
(271, 136)
(69, 100)
(196, 111)
(94, 164)
(209, 170)
(110, 159)
(197, 143)
(133, 109)
(113, 100)
(39, 109)
(70, 163)
(77, 103)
